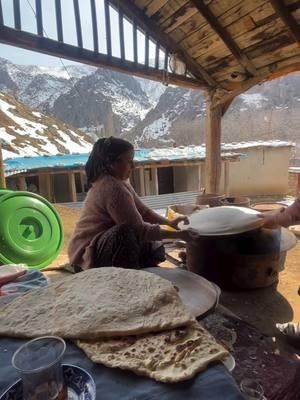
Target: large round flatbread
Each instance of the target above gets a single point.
(225, 220)
(96, 303)
(169, 356)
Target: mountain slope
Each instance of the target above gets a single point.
(104, 98)
(91, 99)
(24, 132)
(267, 111)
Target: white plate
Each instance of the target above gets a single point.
(224, 220)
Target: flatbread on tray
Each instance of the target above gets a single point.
(169, 356)
(224, 220)
(97, 303)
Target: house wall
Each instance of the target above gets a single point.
(263, 171)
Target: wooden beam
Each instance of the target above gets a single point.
(287, 18)
(72, 186)
(146, 50)
(225, 37)
(78, 23)
(17, 14)
(107, 28)
(2, 175)
(60, 36)
(45, 186)
(268, 74)
(213, 146)
(1, 14)
(22, 186)
(157, 56)
(121, 33)
(82, 181)
(154, 31)
(155, 180)
(226, 178)
(39, 17)
(48, 46)
(95, 26)
(135, 51)
(166, 60)
(142, 182)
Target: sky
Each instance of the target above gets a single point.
(28, 22)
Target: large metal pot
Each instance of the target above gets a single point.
(246, 260)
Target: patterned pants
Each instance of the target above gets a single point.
(120, 247)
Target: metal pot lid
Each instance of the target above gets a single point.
(30, 231)
(199, 295)
(224, 220)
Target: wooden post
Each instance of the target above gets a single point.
(45, 186)
(226, 177)
(213, 145)
(2, 176)
(82, 181)
(72, 186)
(142, 181)
(155, 179)
(22, 183)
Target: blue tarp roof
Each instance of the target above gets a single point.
(59, 161)
(181, 153)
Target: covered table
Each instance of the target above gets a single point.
(215, 383)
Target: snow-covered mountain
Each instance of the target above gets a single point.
(93, 100)
(267, 111)
(103, 99)
(103, 102)
(24, 132)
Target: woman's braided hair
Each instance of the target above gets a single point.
(105, 151)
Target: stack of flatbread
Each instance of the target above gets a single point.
(121, 318)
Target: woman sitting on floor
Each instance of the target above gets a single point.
(115, 227)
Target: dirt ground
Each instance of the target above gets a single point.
(262, 308)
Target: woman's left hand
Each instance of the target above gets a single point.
(182, 218)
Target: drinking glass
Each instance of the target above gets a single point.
(39, 364)
(251, 389)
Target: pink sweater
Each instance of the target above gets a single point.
(110, 202)
(290, 215)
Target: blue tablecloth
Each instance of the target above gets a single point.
(215, 383)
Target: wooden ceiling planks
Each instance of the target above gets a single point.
(261, 42)
(289, 19)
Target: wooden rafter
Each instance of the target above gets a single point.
(17, 14)
(107, 27)
(153, 30)
(48, 46)
(60, 37)
(39, 18)
(287, 18)
(78, 23)
(95, 26)
(225, 37)
(242, 87)
(1, 14)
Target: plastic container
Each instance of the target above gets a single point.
(31, 230)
